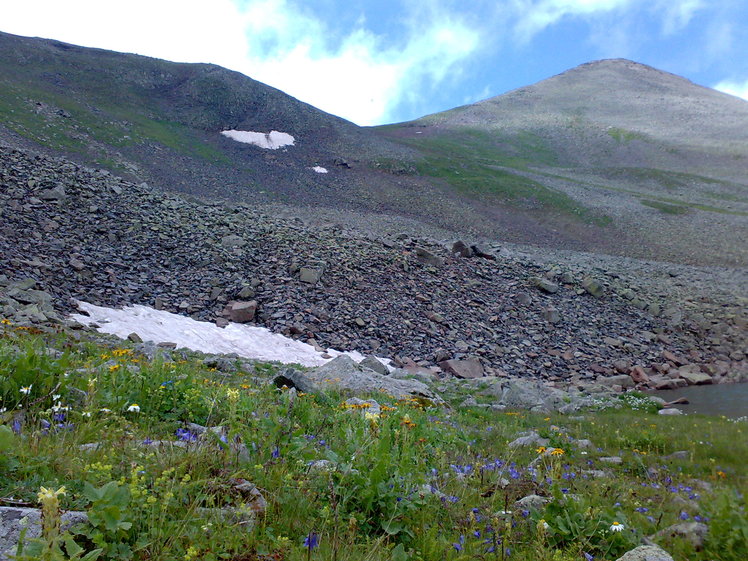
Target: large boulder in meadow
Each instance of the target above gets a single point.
(646, 553)
(346, 374)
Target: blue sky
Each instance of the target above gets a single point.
(375, 62)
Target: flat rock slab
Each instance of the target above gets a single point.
(13, 519)
(646, 553)
(346, 374)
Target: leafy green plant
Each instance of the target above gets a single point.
(571, 520)
(727, 539)
(109, 518)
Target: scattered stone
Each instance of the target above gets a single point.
(240, 312)
(251, 495)
(531, 439)
(692, 374)
(545, 285)
(310, 275)
(344, 373)
(428, 258)
(291, 378)
(593, 287)
(523, 298)
(694, 532)
(551, 315)
(531, 502)
(466, 368)
(134, 337)
(670, 411)
(638, 375)
(461, 249)
(232, 241)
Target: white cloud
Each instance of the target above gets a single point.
(533, 16)
(678, 15)
(732, 87)
(357, 75)
(536, 15)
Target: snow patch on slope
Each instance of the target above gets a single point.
(319, 169)
(248, 341)
(270, 140)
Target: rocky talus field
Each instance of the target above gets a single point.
(439, 307)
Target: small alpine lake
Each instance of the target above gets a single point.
(730, 400)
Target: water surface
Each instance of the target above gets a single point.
(730, 400)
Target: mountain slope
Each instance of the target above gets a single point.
(611, 138)
(158, 121)
(610, 157)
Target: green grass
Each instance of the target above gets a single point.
(666, 208)
(416, 482)
(624, 136)
(475, 163)
(117, 126)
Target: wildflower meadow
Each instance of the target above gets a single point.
(172, 460)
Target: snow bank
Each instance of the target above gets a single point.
(319, 169)
(271, 140)
(245, 340)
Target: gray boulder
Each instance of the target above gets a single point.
(531, 502)
(694, 532)
(232, 241)
(467, 368)
(531, 439)
(545, 285)
(593, 287)
(372, 363)
(646, 553)
(14, 519)
(240, 312)
(670, 411)
(310, 275)
(428, 258)
(345, 373)
(294, 379)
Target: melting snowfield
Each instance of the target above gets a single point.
(319, 169)
(271, 140)
(245, 340)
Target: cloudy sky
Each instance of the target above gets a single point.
(380, 61)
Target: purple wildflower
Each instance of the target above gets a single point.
(683, 515)
(186, 435)
(311, 540)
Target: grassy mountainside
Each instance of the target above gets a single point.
(612, 142)
(610, 157)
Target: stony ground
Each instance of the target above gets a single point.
(84, 234)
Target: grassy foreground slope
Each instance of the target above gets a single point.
(339, 481)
